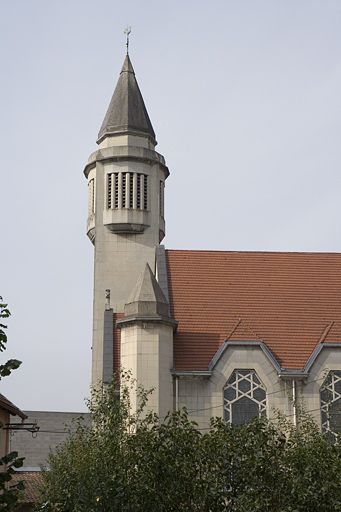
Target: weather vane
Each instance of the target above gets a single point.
(127, 31)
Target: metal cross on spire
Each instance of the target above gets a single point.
(127, 31)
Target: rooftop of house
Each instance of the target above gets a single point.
(32, 481)
(11, 408)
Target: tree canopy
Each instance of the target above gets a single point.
(9, 494)
(125, 462)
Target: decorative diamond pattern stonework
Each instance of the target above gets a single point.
(244, 397)
(330, 394)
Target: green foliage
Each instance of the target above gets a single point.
(132, 463)
(11, 364)
(9, 494)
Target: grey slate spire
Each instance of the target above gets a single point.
(147, 297)
(127, 112)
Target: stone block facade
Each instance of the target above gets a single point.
(53, 431)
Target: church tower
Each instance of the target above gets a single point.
(126, 179)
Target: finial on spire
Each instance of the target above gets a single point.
(127, 32)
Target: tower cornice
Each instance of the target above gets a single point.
(119, 153)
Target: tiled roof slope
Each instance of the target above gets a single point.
(33, 481)
(290, 301)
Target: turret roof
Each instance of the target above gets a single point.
(127, 111)
(147, 288)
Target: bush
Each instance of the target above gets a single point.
(134, 463)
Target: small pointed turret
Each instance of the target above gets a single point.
(147, 343)
(147, 297)
(127, 112)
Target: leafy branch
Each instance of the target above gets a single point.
(12, 364)
(9, 494)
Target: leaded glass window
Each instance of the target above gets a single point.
(330, 394)
(244, 397)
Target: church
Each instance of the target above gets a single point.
(230, 334)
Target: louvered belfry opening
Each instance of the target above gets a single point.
(127, 190)
(162, 198)
(91, 197)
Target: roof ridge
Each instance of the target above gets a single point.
(222, 251)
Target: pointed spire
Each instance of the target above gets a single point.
(147, 297)
(127, 112)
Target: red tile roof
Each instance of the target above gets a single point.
(290, 301)
(33, 481)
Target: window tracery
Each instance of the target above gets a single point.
(244, 397)
(330, 395)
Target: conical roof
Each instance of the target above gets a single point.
(147, 297)
(147, 288)
(127, 111)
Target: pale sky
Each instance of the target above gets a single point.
(244, 97)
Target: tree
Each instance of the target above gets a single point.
(9, 494)
(134, 463)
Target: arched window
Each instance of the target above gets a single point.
(244, 397)
(330, 394)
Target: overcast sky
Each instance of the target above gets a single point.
(245, 100)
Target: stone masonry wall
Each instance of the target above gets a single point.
(53, 431)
